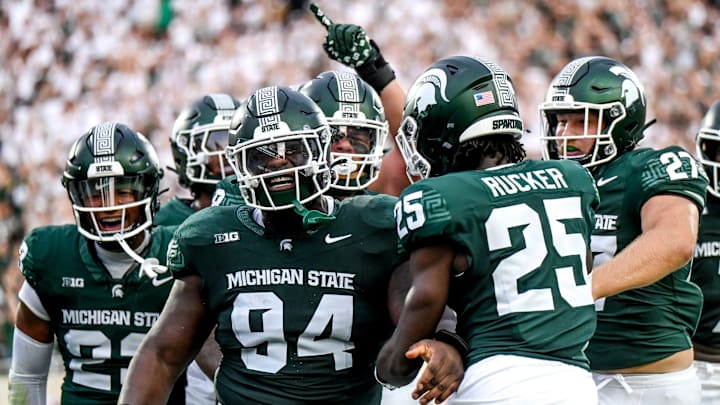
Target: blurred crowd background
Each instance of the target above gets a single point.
(70, 64)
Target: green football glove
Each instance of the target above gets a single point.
(345, 43)
(350, 45)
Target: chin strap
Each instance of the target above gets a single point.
(310, 218)
(649, 123)
(150, 266)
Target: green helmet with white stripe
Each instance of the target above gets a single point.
(603, 87)
(358, 127)
(199, 138)
(455, 100)
(112, 176)
(278, 148)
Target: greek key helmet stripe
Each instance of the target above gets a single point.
(347, 91)
(266, 102)
(224, 103)
(103, 145)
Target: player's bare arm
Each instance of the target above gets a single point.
(174, 340)
(423, 308)
(670, 226)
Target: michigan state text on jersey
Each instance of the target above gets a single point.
(98, 321)
(339, 310)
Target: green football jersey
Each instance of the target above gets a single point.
(98, 321)
(300, 320)
(227, 192)
(173, 212)
(526, 230)
(706, 274)
(645, 324)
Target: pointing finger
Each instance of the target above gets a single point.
(320, 16)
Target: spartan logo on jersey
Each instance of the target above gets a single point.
(425, 93)
(175, 255)
(117, 291)
(286, 245)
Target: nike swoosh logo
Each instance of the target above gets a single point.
(604, 181)
(158, 283)
(332, 239)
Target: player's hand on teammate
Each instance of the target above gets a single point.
(443, 372)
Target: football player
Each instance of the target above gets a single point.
(644, 234)
(350, 45)
(706, 341)
(295, 324)
(198, 141)
(358, 129)
(503, 241)
(86, 285)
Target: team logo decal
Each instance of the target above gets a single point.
(425, 87)
(632, 90)
(225, 107)
(286, 245)
(117, 291)
(175, 255)
(266, 104)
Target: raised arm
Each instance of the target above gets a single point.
(350, 45)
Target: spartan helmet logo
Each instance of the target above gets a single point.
(286, 245)
(632, 90)
(117, 291)
(426, 84)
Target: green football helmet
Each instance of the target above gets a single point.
(357, 124)
(601, 86)
(110, 170)
(456, 99)
(199, 138)
(707, 146)
(278, 147)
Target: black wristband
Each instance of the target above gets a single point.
(377, 73)
(454, 340)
